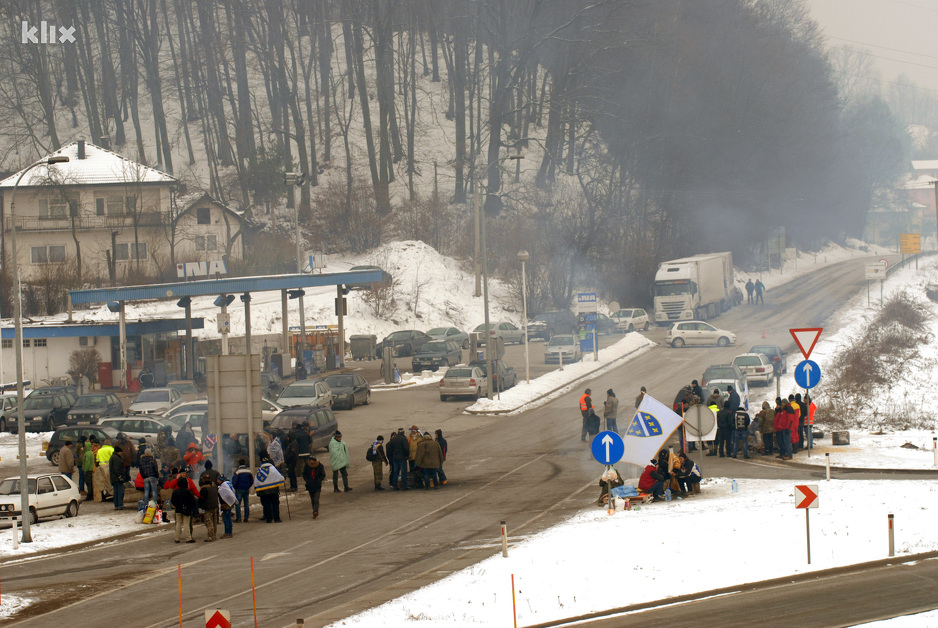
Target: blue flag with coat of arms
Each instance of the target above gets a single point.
(650, 428)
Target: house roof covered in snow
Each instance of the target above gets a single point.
(98, 166)
(925, 164)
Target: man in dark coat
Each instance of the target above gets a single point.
(749, 289)
(398, 450)
(314, 473)
(208, 501)
(116, 469)
(185, 505)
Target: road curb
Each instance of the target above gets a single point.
(561, 387)
(744, 587)
(822, 468)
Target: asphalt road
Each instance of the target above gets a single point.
(530, 470)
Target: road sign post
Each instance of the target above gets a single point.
(806, 497)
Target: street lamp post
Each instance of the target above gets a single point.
(18, 346)
(524, 256)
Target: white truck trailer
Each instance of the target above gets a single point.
(694, 288)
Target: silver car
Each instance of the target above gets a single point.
(450, 333)
(562, 346)
(462, 381)
(508, 332)
(156, 401)
(306, 393)
(690, 333)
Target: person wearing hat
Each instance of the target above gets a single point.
(640, 397)
(586, 409)
(377, 457)
(430, 459)
(67, 460)
(412, 441)
(339, 461)
(398, 450)
(314, 473)
(610, 410)
(116, 472)
(150, 474)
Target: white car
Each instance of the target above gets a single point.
(156, 401)
(740, 386)
(139, 426)
(565, 346)
(508, 332)
(50, 495)
(756, 366)
(306, 393)
(462, 381)
(630, 319)
(698, 333)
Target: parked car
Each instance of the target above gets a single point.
(406, 342)
(91, 407)
(270, 409)
(546, 324)
(50, 495)
(7, 412)
(197, 418)
(721, 371)
(44, 413)
(307, 393)
(562, 346)
(70, 391)
(756, 367)
(271, 384)
(450, 333)
(776, 356)
(139, 426)
(698, 333)
(188, 407)
(437, 353)
(505, 376)
(741, 386)
(463, 381)
(508, 332)
(630, 319)
(349, 390)
(156, 401)
(72, 433)
(322, 423)
(186, 388)
(604, 324)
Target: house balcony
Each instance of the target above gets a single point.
(88, 223)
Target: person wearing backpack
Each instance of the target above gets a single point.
(741, 433)
(376, 456)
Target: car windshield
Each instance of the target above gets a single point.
(91, 401)
(184, 387)
(11, 486)
(765, 350)
(438, 331)
(482, 327)
(433, 347)
(720, 372)
(458, 373)
(748, 360)
(399, 335)
(299, 390)
(548, 317)
(483, 367)
(151, 396)
(557, 341)
(38, 403)
(340, 381)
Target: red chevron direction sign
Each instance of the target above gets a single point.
(806, 337)
(806, 496)
(218, 619)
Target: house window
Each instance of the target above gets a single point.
(7, 343)
(47, 254)
(39, 342)
(130, 202)
(25, 342)
(115, 206)
(124, 252)
(99, 204)
(203, 215)
(57, 254)
(206, 243)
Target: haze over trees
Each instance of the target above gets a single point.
(649, 129)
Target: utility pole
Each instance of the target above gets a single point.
(478, 222)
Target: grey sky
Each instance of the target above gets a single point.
(901, 34)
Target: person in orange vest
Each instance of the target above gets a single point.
(586, 409)
(812, 408)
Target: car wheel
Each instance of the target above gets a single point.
(677, 343)
(478, 394)
(3, 424)
(72, 509)
(54, 459)
(367, 399)
(631, 328)
(646, 325)
(33, 517)
(465, 343)
(723, 341)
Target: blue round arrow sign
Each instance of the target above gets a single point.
(807, 374)
(608, 447)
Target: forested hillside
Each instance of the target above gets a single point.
(606, 135)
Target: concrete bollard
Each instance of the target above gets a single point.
(892, 537)
(504, 539)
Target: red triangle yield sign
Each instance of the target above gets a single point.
(806, 337)
(219, 619)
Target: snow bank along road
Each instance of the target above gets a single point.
(366, 548)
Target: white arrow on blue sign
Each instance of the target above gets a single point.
(807, 374)
(608, 447)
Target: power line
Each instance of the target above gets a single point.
(861, 43)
